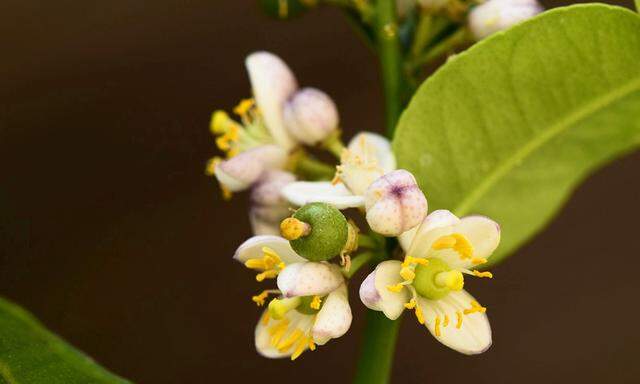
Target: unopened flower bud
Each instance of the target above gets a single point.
(310, 116)
(394, 203)
(323, 234)
(497, 15)
(241, 171)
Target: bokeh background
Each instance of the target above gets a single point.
(112, 235)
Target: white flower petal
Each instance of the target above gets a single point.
(406, 238)
(482, 232)
(369, 294)
(273, 83)
(297, 321)
(365, 144)
(252, 249)
(474, 335)
(437, 224)
(309, 278)
(243, 170)
(334, 318)
(302, 192)
(391, 303)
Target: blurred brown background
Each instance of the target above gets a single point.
(112, 235)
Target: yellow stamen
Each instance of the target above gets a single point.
(437, 326)
(270, 264)
(244, 106)
(478, 260)
(408, 260)
(407, 273)
(292, 228)
(411, 304)
(395, 288)
(459, 322)
(210, 168)
(445, 242)
(303, 343)
(315, 302)
(457, 242)
(219, 122)
(286, 344)
(279, 331)
(255, 264)
(482, 274)
(475, 307)
(226, 192)
(446, 320)
(270, 274)
(312, 345)
(260, 298)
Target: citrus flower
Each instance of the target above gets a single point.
(367, 157)
(430, 280)
(311, 306)
(497, 15)
(263, 139)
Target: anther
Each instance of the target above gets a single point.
(482, 274)
(315, 303)
(475, 307)
(395, 288)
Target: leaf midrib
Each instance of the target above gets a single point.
(545, 136)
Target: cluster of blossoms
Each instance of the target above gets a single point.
(304, 241)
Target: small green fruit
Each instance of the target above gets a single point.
(328, 234)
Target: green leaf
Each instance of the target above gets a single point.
(30, 354)
(510, 127)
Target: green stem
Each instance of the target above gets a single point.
(638, 5)
(367, 241)
(421, 36)
(379, 340)
(447, 45)
(389, 50)
(334, 145)
(312, 169)
(376, 359)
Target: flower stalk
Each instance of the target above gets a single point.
(376, 358)
(390, 54)
(380, 334)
